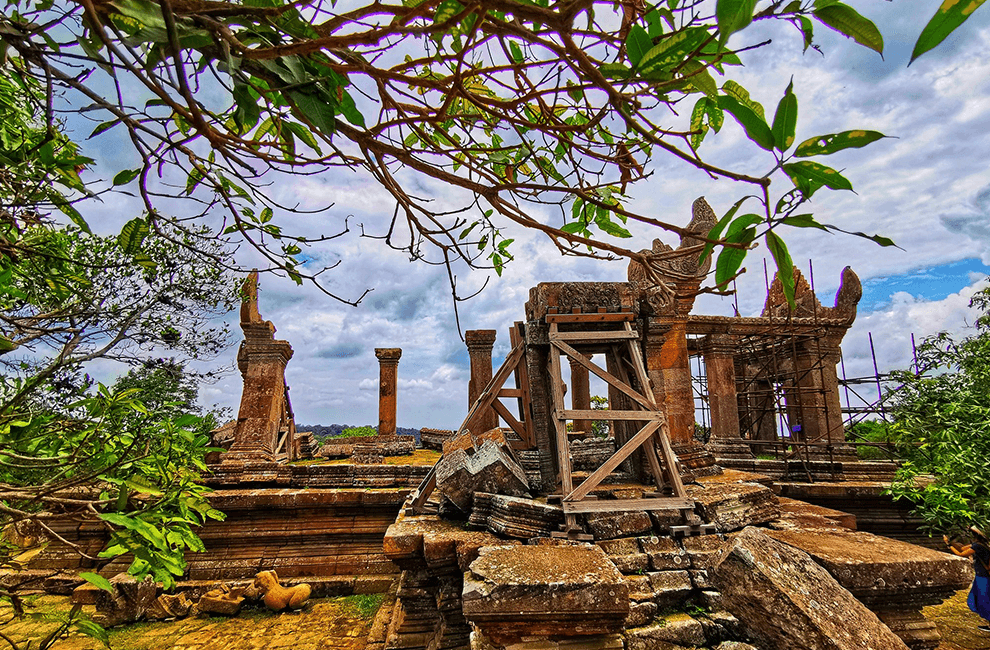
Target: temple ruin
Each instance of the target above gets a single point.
(541, 535)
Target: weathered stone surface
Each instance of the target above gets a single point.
(514, 516)
(703, 551)
(732, 506)
(489, 469)
(720, 626)
(800, 514)
(434, 438)
(582, 296)
(509, 592)
(785, 600)
(665, 554)
(591, 453)
(220, 601)
(677, 629)
(892, 578)
(670, 588)
(735, 645)
(128, 602)
(169, 606)
(622, 524)
(641, 613)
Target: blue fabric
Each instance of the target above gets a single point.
(979, 597)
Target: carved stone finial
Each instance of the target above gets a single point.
(249, 299)
(806, 304)
(679, 271)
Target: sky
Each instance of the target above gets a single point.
(927, 187)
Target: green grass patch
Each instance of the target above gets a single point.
(364, 605)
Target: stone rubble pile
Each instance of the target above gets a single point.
(472, 464)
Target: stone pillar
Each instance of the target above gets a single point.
(820, 408)
(479, 345)
(261, 359)
(720, 369)
(388, 363)
(667, 364)
(580, 394)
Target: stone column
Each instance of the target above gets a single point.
(388, 363)
(667, 364)
(821, 410)
(580, 394)
(720, 369)
(479, 345)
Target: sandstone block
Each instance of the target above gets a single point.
(664, 553)
(732, 506)
(489, 469)
(785, 600)
(622, 524)
(533, 591)
(676, 629)
(128, 602)
(169, 606)
(219, 602)
(641, 613)
(670, 588)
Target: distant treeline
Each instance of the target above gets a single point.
(333, 430)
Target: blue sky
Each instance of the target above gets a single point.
(927, 187)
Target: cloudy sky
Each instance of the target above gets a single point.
(927, 187)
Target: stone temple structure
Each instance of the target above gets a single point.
(541, 535)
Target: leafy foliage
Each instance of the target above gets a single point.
(945, 410)
(358, 432)
(516, 103)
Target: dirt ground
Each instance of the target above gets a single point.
(335, 624)
(325, 624)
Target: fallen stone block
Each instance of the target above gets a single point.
(169, 606)
(514, 516)
(732, 506)
(665, 554)
(489, 469)
(221, 602)
(129, 601)
(676, 629)
(544, 591)
(641, 613)
(670, 588)
(785, 600)
(623, 524)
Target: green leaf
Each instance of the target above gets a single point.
(803, 221)
(516, 51)
(785, 120)
(132, 235)
(97, 580)
(638, 43)
(807, 28)
(848, 22)
(140, 484)
(732, 16)
(822, 145)
(610, 227)
(68, 210)
(350, 111)
(741, 231)
(126, 176)
(785, 267)
(447, 10)
(92, 630)
(671, 50)
(755, 126)
(316, 110)
(247, 113)
(715, 116)
(817, 173)
(733, 89)
(698, 122)
(103, 128)
(574, 227)
(716, 231)
(698, 76)
(950, 15)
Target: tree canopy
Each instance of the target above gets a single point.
(516, 102)
(941, 418)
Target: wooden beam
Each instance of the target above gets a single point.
(513, 423)
(615, 317)
(490, 392)
(603, 374)
(425, 489)
(608, 414)
(510, 392)
(627, 505)
(670, 460)
(616, 335)
(639, 367)
(606, 468)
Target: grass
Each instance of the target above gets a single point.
(365, 605)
